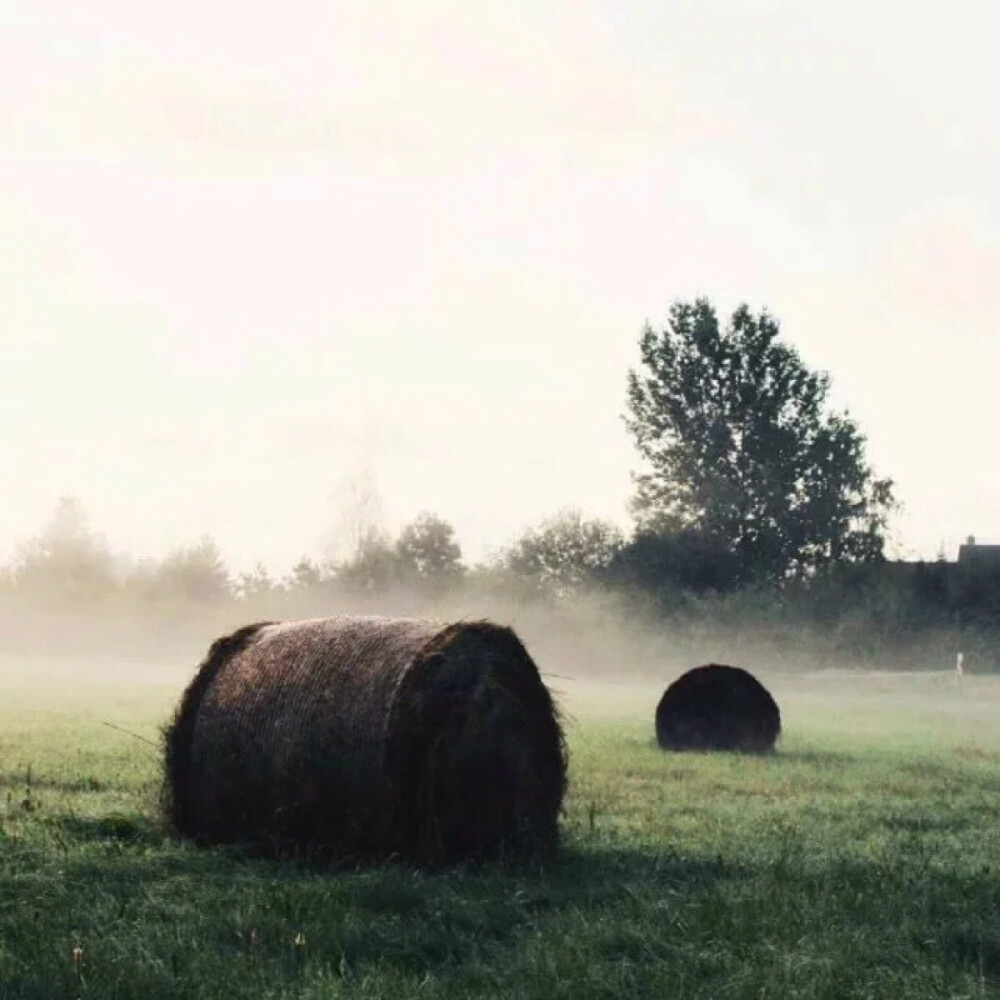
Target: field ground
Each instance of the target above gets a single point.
(862, 860)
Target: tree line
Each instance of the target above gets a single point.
(748, 483)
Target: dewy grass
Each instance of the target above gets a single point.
(857, 861)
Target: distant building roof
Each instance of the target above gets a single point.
(975, 556)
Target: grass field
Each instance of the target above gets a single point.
(862, 860)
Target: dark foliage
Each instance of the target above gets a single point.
(678, 561)
(369, 737)
(563, 553)
(716, 707)
(738, 444)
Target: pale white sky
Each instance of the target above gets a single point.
(244, 251)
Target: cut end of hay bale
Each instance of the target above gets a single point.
(368, 737)
(718, 707)
(476, 749)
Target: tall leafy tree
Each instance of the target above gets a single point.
(66, 561)
(428, 552)
(193, 573)
(305, 576)
(256, 585)
(739, 446)
(566, 551)
(373, 569)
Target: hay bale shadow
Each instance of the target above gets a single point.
(119, 827)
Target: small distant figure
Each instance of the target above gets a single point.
(959, 669)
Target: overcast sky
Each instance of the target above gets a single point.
(247, 252)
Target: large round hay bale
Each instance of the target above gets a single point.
(717, 707)
(368, 737)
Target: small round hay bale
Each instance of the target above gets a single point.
(362, 736)
(717, 707)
